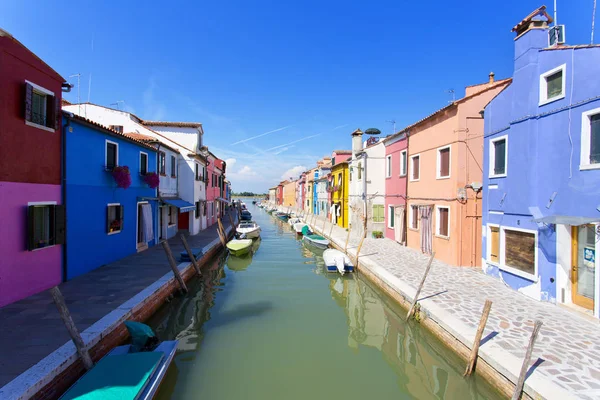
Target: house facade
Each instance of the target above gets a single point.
(321, 186)
(279, 193)
(339, 187)
(310, 191)
(396, 170)
(444, 177)
(289, 194)
(100, 214)
(542, 171)
(32, 231)
(273, 195)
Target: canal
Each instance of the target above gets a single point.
(274, 325)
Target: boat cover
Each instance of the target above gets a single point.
(306, 230)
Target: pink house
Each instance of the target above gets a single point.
(214, 172)
(396, 162)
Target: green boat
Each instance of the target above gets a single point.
(239, 247)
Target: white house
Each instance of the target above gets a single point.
(324, 169)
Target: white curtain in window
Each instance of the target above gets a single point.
(426, 229)
(399, 224)
(147, 226)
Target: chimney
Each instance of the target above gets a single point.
(531, 35)
(492, 77)
(357, 144)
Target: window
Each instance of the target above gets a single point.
(414, 217)
(443, 162)
(172, 215)
(359, 171)
(443, 221)
(414, 168)
(204, 206)
(332, 161)
(112, 155)
(162, 161)
(45, 225)
(197, 209)
(173, 167)
(41, 107)
(494, 244)
(518, 251)
(403, 159)
(552, 85)
(340, 181)
(197, 171)
(388, 166)
(590, 139)
(118, 128)
(498, 157)
(391, 216)
(114, 218)
(143, 163)
(378, 213)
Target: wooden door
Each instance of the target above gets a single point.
(184, 221)
(583, 259)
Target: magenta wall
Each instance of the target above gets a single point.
(395, 186)
(22, 272)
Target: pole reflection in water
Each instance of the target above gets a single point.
(276, 325)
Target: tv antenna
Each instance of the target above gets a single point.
(78, 91)
(393, 122)
(451, 91)
(593, 18)
(117, 104)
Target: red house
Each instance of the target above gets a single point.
(280, 193)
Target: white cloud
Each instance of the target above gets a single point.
(230, 163)
(294, 172)
(246, 171)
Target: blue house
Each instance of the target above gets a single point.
(105, 222)
(541, 185)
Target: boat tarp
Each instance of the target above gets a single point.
(306, 230)
(566, 220)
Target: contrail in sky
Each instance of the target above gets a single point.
(262, 134)
(340, 127)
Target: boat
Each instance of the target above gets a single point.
(253, 201)
(294, 220)
(236, 263)
(239, 247)
(336, 261)
(246, 215)
(298, 226)
(251, 229)
(127, 372)
(317, 241)
(282, 216)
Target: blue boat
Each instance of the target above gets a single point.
(246, 215)
(283, 216)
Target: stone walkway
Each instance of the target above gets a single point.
(566, 357)
(31, 329)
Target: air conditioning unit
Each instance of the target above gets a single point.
(556, 35)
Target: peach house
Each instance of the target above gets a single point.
(396, 169)
(445, 157)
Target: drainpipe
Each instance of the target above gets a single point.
(406, 179)
(158, 211)
(63, 187)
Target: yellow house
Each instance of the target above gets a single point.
(340, 187)
(289, 194)
(309, 188)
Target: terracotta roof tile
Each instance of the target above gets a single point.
(538, 11)
(342, 152)
(172, 123)
(140, 136)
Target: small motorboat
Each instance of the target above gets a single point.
(282, 216)
(253, 201)
(251, 229)
(133, 371)
(315, 240)
(246, 215)
(294, 220)
(239, 247)
(298, 226)
(336, 261)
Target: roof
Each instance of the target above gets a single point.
(539, 11)
(149, 139)
(342, 151)
(573, 47)
(173, 123)
(108, 130)
(453, 104)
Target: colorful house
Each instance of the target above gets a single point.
(32, 227)
(99, 212)
(310, 191)
(289, 193)
(339, 187)
(321, 186)
(279, 193)
(273, 195)
(213, 208)
(300, 191)
(396, 169)
(444, 177)
(542, 171)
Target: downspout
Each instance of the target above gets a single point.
(365, 156)
(63, 187)
(406, 179)
(159, 213)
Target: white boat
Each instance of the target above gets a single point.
(250, 228)
(316, 240)
(294, 220)
(298, 227)
(336, 261)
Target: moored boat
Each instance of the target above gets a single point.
(294, 220)
(310, 238)
(239, 247)
(251, 229)
(246, 215)
(336, 261)
(282, 216)
(298, 226)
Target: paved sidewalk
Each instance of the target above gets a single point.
(31, 329)
(567, 350)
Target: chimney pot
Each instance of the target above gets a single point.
(492, 77)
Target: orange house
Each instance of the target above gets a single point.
(445, 158)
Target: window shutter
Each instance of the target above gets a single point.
(28, 101)
(107, 219)
(60, 224)
(121, 216)
(50, 112)
(30, 228)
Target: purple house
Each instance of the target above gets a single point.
(541, 186)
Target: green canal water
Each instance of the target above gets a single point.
(274, 325)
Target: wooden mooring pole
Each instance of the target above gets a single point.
(190, 254)
(359, 247)
(65, 315)
(173, 265)
(412, 306)
(475, 350)
(222, 227)
(347, 239)
(524, 367)
(331, 230)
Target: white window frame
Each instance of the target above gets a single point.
(146, 154)
(488, 244)
(413, 208)
(510, 269)
(45, 92)
(437, 222)
(404, 167)
(359, 173)
(410, 177)
(586, 139)
(388, 166)
(492, 157)
(120, 230)
(106, 142)
(544, 85)
(391, 210)
(439, 163)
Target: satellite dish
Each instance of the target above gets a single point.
(373, 131)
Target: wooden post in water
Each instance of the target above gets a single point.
(359, 247)
(190, 254)
(222, 227)
(521, 381)
(412, 306)
(475, 350)
(347, 239)
(221, 236)
(173, 265)
(65, 315)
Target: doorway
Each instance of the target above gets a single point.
(583, 260)
(184, 221)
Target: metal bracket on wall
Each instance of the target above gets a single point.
(551, 200)
(502, 199)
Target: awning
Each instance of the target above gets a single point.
(183, 206)
(566, 220)
(223, 200)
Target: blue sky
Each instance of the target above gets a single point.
(308, 72)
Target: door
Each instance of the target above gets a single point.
(184, 221)
(583, 265)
